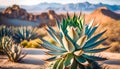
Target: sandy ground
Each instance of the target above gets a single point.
(35, 60)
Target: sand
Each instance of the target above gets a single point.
(35, 60)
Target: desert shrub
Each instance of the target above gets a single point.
(115, 47)
(32, 43)
(13, 51)
(4, 31)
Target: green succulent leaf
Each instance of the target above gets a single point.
(56, 64)
(92, 57)
(92, 31)
(55, 53)
(74, 64)
(94, 44)
(87, 29)
(51, 58)
(81, 59)
(52, 30)
(68, 59)
(12, 50)
(72, 33)
(93, 39)
(68, 44)
(50, 46)
(55, 37)
(90, 24)
(64, 24)
(68, 17)
(58, 23)
(96, 50)
(81, 41)
(60, 64)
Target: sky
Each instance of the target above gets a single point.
(34, 2)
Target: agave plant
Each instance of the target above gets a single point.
(76, 45)
(25, 34)
(4, 31)
(13, 51)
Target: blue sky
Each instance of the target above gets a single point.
(34, 2)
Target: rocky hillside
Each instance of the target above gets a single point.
(109, 21)
(103, 15)
(15, 12)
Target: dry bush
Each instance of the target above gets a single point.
(115, 47)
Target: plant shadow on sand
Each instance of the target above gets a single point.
(112, 62)
(34, 56)
(32, 61)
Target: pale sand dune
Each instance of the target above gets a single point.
(35, 60)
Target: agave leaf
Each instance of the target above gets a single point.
(60, 64)
(74, 65)
(81, 41)
(51, 58)
(52, 30)
(64, 24)
(81, 60)
(96, 50)
(20, 58)
(92, 57)
(55, 37)
(74, 17)
(88, 27)
(58, 23)
(87, 30)
(19, 52)
(80, 24)
(14, 56)
(78, 53)
(82, 30)
(80, 14)
(94, 44)
(55, 53)
(68, 17)
(68, 44)
(68, 59)
(92, 31)
(19, 34)
(50, 46)
(90, 24)
(27, 33)
(93, 39)
(72, 33)
(56, 64)
(33, 36)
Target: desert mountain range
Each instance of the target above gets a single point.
(107, 19)
(85, 6)
(101, 15)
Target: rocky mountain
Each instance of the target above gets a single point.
(103, 15)
(107, 20)
(16, 12)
